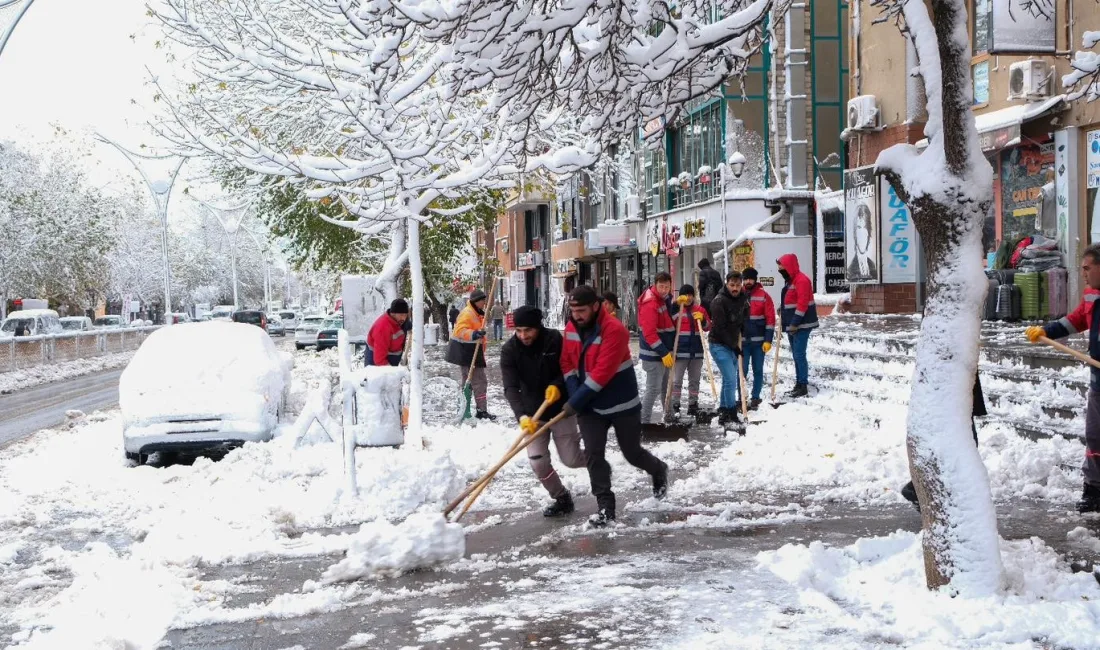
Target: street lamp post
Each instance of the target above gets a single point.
(161, 189)
(736, 165)
(6, 7)
(232, 228)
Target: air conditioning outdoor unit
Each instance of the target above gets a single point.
(863, 113)
(1029, 80)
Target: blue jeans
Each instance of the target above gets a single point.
(498, 329)
(800, 343)
(726, 360)
(754, 354)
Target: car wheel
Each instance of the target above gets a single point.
(136, 458)
(299, 346)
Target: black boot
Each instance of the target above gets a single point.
(800, 390)
(693, 410)
(660, 482)
(755, 403)
(561, 506)
(910, 494)
(601, 518)
(1090, 499)
(485, 415)
(723, 415)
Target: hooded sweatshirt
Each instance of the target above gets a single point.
(797, 298)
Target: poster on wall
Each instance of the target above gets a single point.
(899, 239)
(1025, 169)
(744, 256)
(861, 218)
(1023, 27)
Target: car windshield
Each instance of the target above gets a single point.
(288, 315)
(74, 324)
(333, 324)
(107, 320)
(12, 324)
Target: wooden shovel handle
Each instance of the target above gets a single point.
(775, 364)
(675, 350)
(1081, 356)
(741, 377)
(706, 356)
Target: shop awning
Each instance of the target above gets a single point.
(1001, 129)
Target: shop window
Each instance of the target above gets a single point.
(982, 25)
(1023, 172)
(979, 73)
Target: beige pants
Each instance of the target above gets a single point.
(567, 440)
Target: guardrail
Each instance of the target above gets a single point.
(21, 352)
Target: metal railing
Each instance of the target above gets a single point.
(17, 353)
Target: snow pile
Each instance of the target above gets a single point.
(882, 579)
(383, 548)
(378, 405)
(225, 368)
(45, 374)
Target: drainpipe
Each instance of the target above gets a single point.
(857, 25)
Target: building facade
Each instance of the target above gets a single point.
(1038, 141)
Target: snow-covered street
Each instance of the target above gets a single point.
(793, 535)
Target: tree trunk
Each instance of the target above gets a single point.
(395, 261)
(416, 355)
(948, 188)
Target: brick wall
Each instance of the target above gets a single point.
(884, 299)
(864, 148)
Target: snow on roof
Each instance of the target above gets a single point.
(1016, 114)
(770, 194)
(32, 313)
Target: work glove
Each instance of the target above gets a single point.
(553, 394)
(668, 360)
(477, 335)
(767, 348)
(568, 410)
(698, 316)
(528, 426)
(684, 301)
(1034, 332)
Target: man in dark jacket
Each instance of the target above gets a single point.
(710, 283)
(729, 312)
(603, 393)
(530, 364)
(1085, 318)
(466, 348)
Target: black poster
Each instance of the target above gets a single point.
(836, 271)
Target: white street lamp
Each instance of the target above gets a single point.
(231, 226)
(11, 11)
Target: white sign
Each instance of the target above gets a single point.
(1023, 27)
(899, 239)
(1092, 158)
(135, 306)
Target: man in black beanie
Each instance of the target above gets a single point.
(530, 365)
(386, 339)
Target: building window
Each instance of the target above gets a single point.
(982, 27)
(696, 145)
(979, 72)
(747, 123)
(656, 172)
(829, 89)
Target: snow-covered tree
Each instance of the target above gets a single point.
(948, 187)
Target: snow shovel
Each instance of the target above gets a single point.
(741, 379)
(700, 418)
(775, 369)
(482, 343)
(1081, 356)
(668, 430)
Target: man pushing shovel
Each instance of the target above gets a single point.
(1084, 318)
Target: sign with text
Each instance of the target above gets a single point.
(861, 210)
(1023, 27)
(899, 239)
(1092, 158)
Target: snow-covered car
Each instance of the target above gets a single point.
(108, 322)
(290, 320)
(326, 335)
(275, 325)
(31, 322)
(306, 333)
(202, 387)
(222, 312)
(76, 324)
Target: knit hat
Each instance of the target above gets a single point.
(527, 316)
(583, 295)
(399, 306)
(750, 274)
(477, 295)
(687, 290)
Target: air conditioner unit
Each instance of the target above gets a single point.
(1029, 80)
(863, 113)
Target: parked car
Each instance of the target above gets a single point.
(275, 325)
(108, 322)
(251, 317)
(222, 312)
(180, 317)
(31, 322)
(326, 335)
(290, 319)
(306, 334)
(228, 385)
(76, 324)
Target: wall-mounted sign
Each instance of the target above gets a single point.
(695, 229)
(614, 235)
(526, 260)
(744, 256)
(1024, 27)
(899, 239)
(565, 267)
(671, 239)
(1092, 159)
(861, 225)
(654, 233)
(999, 138)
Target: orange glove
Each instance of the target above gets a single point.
(668, 360)
(767, 348)
(553, 394)
(698, 315)
(684, 301)
(527, 425)
(1034, 332)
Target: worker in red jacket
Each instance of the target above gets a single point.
(759, 331)
(386, 339)
(603, 393)
(799, 318)
(657, 334)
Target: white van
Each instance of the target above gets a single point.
(31, 322)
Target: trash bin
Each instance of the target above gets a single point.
(376, 410)
(431, 334)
